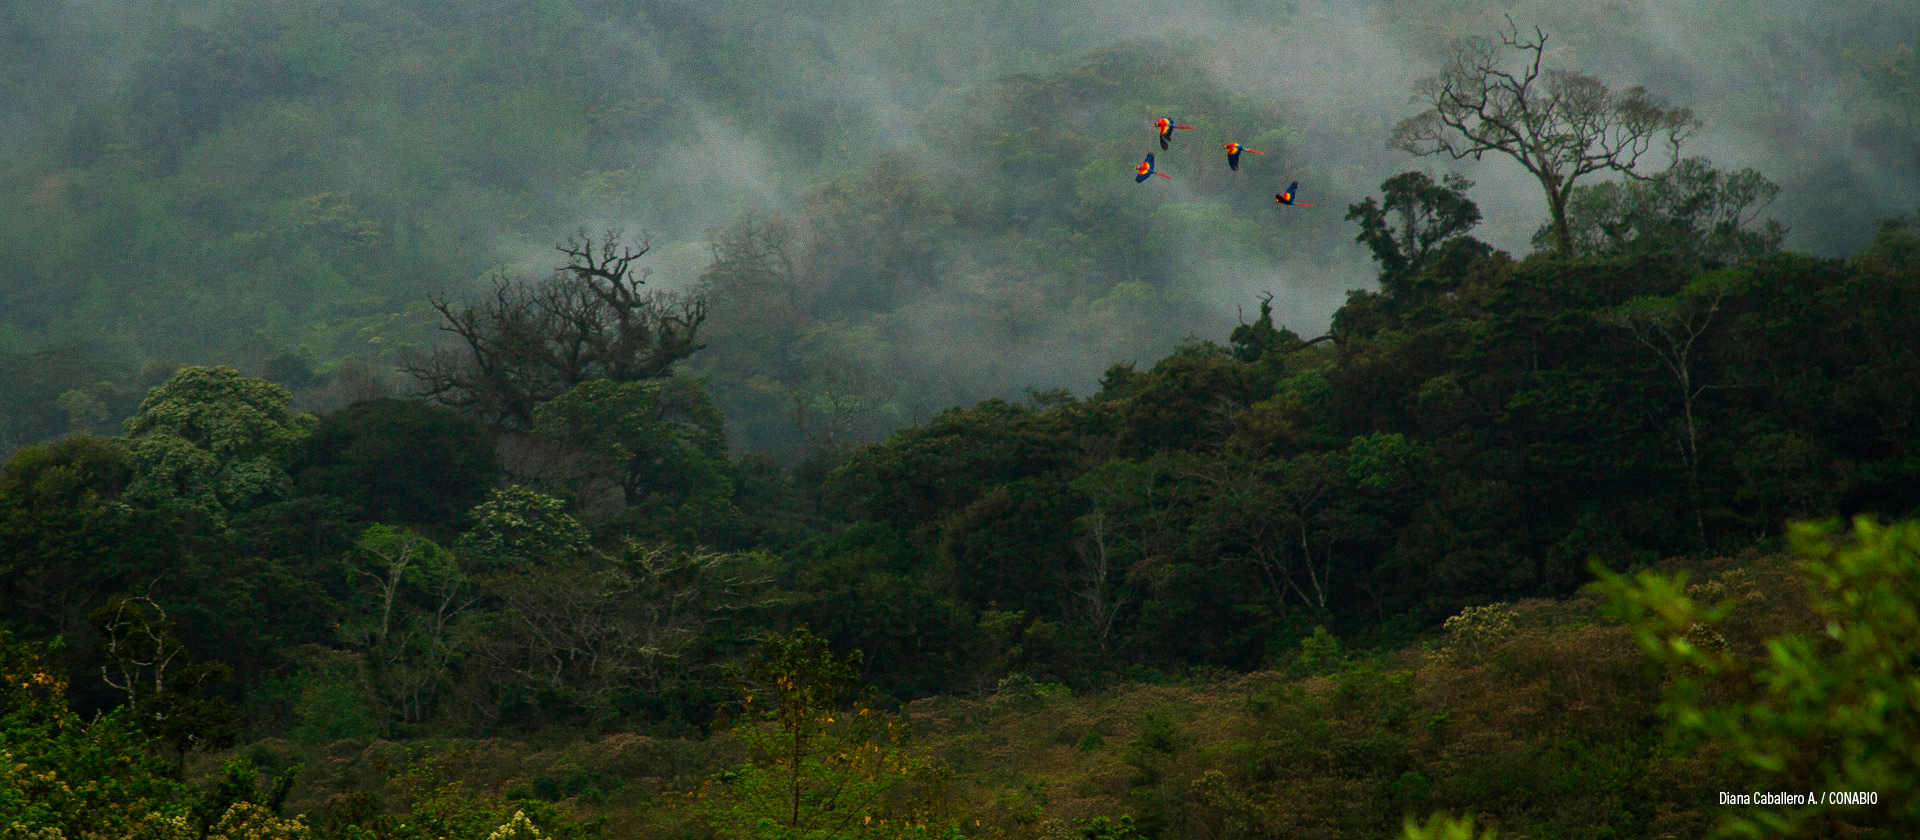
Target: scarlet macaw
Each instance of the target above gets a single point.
(1287, 197)
(1166, 127)
(1146, 169)
(1233, 154)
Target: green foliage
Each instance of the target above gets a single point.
(62, 526)
(1381, 461)
(640, 632)
(1444, 827)
(432, 806)
(1107, 828)
(589, 786)
(47, 393)
(1157, 734)
(868, 588)
(402, 463)
(650, 435)
(1319, 653)
(1007, 548)
(61, 776)
(923, 474)
(1691, 210)
(147, 662)
(516, 528)
(237, 786)
(215, 440)
(1825, 715)
(1256, 341)
(1406, 229)
(409, 598)
(1471, 432)
(814, 770)
(1018, 691)
(1472, 634)
(661, 445)
(329, 708)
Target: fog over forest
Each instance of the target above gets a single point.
(702, 419)
(158, 151)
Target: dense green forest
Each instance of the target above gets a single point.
(872, 459)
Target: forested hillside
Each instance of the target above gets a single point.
(1475, 432)
(604, 419)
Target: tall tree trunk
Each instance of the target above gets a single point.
(1692, 452)
(1562, 232)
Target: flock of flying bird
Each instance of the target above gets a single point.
(1145, 170)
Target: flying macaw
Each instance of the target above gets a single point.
(1166, 127)
(1146, 169)
(1287, 197)
(1233, 154)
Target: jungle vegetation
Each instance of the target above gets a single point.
(323, 517)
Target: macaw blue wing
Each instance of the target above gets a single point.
(1233, 161)
(1287, 197)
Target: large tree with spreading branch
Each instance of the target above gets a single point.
(1559, 124)
(532, 341)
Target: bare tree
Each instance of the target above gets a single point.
(534, 340)
(1121, 546)
(161, 681)
(1094, 593)
(625, 624)
(762, 260)
(1559, 124)
(1283, 517)
(139, 645)
(408, 649)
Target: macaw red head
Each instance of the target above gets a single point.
(1163, 123)
(1232, 148)
(1143, 168)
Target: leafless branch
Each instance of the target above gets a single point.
(1559, 125)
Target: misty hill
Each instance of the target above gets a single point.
(575, 418)
(239, 182)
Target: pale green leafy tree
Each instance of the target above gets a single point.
(518, 828)
(411, 597)
(84, 407)
(214, 439)
(1472, 634)
(516, 527)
